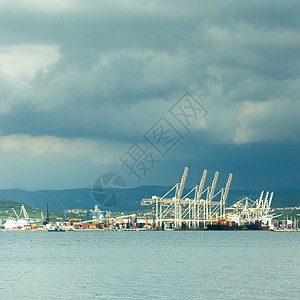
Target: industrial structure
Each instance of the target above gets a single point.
(203, 206)
(206, 204)
(22, 221)
(253, 211)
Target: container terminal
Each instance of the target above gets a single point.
(202, 208)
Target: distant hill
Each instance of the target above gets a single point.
(7, 205)
(72, 198)
(81, 198)
(33, 212)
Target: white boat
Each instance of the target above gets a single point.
(67, 228)
(59, 228)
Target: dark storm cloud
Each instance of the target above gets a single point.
(108, 70)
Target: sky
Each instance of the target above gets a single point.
(84, 85)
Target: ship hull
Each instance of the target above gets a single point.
(223, 227)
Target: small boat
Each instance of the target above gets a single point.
(59, 228)
(55, 230)
(67, 228)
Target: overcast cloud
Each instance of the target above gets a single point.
(81, 81)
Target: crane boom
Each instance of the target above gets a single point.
(201, 185)
(260, 198)
(15, 212)
(270, 200)
(182, 183)
(266, 202)
(23, 209)
(225, 195)
(213, 186)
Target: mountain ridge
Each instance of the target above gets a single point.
(82, 197)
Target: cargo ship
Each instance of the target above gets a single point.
(232, 225)
(223, 225)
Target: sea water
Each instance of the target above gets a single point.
(150, 265)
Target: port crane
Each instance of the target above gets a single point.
(169, 209)
(253, 210)
(22, 211)
(65, 214)
(202, 208)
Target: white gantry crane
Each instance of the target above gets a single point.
(251, 211)
(224, 196)
(178, 195)
(22, 211)
(169, 209)
(191, 212)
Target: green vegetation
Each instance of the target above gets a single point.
(36, 213)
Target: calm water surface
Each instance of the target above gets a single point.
(149, 265)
